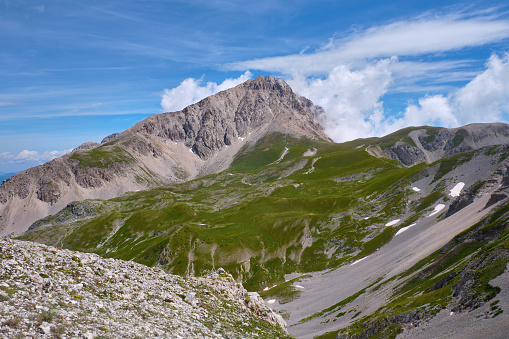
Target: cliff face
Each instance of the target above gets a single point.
(414, 145)
(170, 147)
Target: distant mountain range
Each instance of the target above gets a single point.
(372, 237)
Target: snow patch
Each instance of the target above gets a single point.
(266, 288)
(242, 139)
(271, 301)
(357, 261)
(438, 208)
(299, 286)
(191, 150)
(394, 222)
(455, 192)
(417, 189)
(403, 229)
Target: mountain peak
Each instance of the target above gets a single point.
(255, 107)
(267, 83)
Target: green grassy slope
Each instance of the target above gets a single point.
(263, 217)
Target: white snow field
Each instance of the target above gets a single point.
(391, 223)
(438, 208)
(403, 229)
(456, 190)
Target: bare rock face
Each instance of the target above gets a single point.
(87, 146)
(429, 144)
(170, 147)
(406, 154)
(259, 105)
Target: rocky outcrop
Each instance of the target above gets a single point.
(47, 292)
(380, 326)
(466, 198)
(109, 137)
(76, 210)
(428, 144)
(406, 154)
(257, 304)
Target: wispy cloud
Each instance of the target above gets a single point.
(192, 90)
(116, 14)
(402, 38)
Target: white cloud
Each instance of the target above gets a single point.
(424, 36)
(431, 110)
(349, 76)
(351, 98)
(191, 90)
(31, 156)
(403, 38)
(486, 97)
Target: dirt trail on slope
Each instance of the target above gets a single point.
(325, 289)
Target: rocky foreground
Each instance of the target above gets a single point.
(47, 292)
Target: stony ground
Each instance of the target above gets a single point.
(56, 293)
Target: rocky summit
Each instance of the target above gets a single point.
(47, 292)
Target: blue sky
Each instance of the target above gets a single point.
(73, 71)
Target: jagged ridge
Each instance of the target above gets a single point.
(414, 145)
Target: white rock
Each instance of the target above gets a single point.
(46, 328)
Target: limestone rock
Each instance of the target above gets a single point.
(71, 294)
